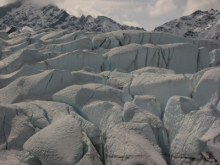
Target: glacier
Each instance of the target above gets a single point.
(123, 97)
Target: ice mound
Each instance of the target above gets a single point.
(59, 143)
(176, 110)
(130, 140)
(163, 86)
(209, 81)
(123, 97)
(135, 56)
(81, 95)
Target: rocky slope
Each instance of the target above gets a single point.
(123, 97)
(23, 16)
(198, 25)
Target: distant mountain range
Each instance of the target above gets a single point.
(22, 16)
(198, 25)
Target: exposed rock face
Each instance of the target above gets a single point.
(124, 97)
(23, 16)
(198, 25)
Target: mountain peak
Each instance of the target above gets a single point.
(198, 25)
(24, 13)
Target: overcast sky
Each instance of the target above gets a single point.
(142, 13)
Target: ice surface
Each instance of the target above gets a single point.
(163, 86)
(176, 109)
(109, 114)
(188, 142)
(73, 61)
(123, 97)
(39, 86)
(18, 59)
(130, 140)
(118, 78)
(135, 56)
(204, 59)
(81, 95)
(207, 86)
(4, 35)
(59, 143)
(24, 71)
(83, 43)
(90, 156)
(15, 130)
(215, 57)
(148, 103)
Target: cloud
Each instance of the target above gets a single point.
(131, 23)
(138, 9)
(193, 5)
(78, 11)
(125, 16)
(83, 7)
(4, 2)
(161, 7)
(43, 2)
(37, 2)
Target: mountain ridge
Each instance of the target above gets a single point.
(20, 14)
(198, 25)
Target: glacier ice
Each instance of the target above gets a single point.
(4, 35)
(123, 97)
(73, 61)
(209, 81)
(176, 109)
(134, 56)
(15, 130)
(163, 86)
(189, 143)
(59, 143)
(24, 71)
(109, 114)
(149, 103)
(215, 57)
(81, 95)
(128, 143)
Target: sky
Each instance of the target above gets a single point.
(141, 13)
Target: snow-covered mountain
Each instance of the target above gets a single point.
(23, 15)
(198, 25)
